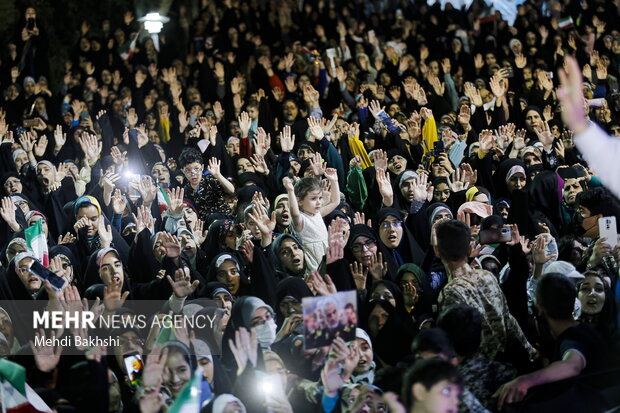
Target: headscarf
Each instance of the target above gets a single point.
(500, 190)
(407, 251)
(545, 197)
(436, 208)
(290, 287)
(474, 207)
(85, 201)
(426, 296)
(275, 248)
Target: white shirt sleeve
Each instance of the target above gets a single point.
(602, 152)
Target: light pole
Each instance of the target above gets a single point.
(153, 23)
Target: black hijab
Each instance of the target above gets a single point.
(407, 251)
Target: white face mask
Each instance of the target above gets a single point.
(266, 333)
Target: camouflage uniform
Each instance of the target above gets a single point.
(481, 290)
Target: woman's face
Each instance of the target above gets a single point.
(381, 292)
(283, 213)
(30, 281)
(410, 286)
(91, 213)
(66, 270)
(591, 295)
(366, 356)
(228, 274)
(391, 231)
(289, 305)
(224, 301)
(377, 319)
(188, 244)
(13, 185)
(33, 220)
(111, 270)
(441, 193)
(207, 368)
(516, 181)
(364, 249)
(21, 160)
(407, 188)
(178, 373)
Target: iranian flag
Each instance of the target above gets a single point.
(35, 238)
(192, 397)
(162, 199)
(487, 15)
(565, 22)
(15, 394)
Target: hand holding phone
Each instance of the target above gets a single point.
(134, 367)
(45, 274)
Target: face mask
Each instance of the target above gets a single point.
(589, 225)
(266, 333)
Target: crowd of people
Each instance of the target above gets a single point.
(261, 152)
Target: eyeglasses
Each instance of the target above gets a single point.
(390, 224)
(193, 171)
(12, 182)
(366, 245)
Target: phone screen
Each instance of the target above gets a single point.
(43, 273)
(495, 235)
(134, 367)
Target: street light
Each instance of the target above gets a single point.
(153, 23)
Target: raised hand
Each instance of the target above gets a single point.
(336, 242)
(265, 223)
(60, 138)
(214, 167)
(544, 135)
(316, 163)
(119, 203)
(148, 191)
(473, 94)
(182, 285)
(7, 212)
(360, 274)
(315, 127)
(244, 348)
(571, 96)
(377, 267)
(375, 108)
(320, 285)
(175, 196)
(420, 190)
(104, 232)
(385, 186)
(262, 142)
(46, 357)
(172, 244)
(380, 159)
(287, 141)
(245, 122)
(112, 297)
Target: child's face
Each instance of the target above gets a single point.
(443, 397)
(253, 112)
(311, 203)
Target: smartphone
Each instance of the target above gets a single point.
(510, 73)
(438, 148)
(30, 23)
(30, 123)
(271, 386)
(495, 235)
(43, 273)
(550, 75)
(134, 367)
(607, 229)
(593, 103)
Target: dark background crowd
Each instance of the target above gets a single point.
(258, 152)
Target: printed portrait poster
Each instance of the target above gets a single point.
(328, 317)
